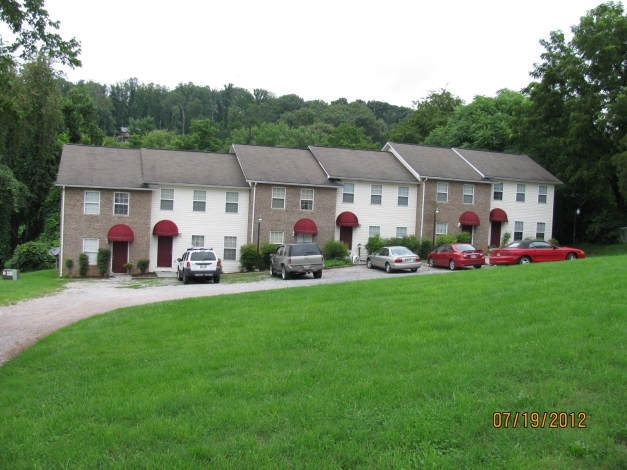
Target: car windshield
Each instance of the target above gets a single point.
(203, 256)
(401, 251)
(304, 250)
(465, 248)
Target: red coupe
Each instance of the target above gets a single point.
(533, 251)
(456, 255)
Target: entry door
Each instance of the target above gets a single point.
(120, 257)
(346, 236)
(164, 252)
(495, 234)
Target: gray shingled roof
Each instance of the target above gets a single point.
(372, 165)
(191, 168)
(507, 166)
(436, 162)
(100, 167)
(280, 165)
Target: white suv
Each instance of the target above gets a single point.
(199, 263)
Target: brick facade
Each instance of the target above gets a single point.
(78, 225)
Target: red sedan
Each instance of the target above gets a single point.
(456, 255)
(533, 251)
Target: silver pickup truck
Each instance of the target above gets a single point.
(297, 258)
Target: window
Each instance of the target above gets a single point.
(403, 195)
(497, 193)
(278, 198)
(167, 199)
(306, 199)
(520, 192)
(90, 248)
(276, 238)
(542, 194)
(441, 228)
(442, 195)
(230, 248)
(198, 241)
(92, 202)
(540, 230)
(304, 238)
(120, 203)
(200, 201)
(374, 230)
(349, 192)
(376, 192)
(401, 232)
(518, 231)
(469, 194)
(232, 202)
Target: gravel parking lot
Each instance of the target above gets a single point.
(26, 322)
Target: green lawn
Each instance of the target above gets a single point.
(34, 284)
(403, 372)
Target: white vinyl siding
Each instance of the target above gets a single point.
(230, 249)
(469, 194)
(442, 192)
(276, 238)
(92, 202)
(90, 248)
(306, 199)
(278, 198)
(376, 194)
(348, 193)
(200, 201)
(167, 200)
(232, 202)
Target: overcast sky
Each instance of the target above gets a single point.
(393, 51)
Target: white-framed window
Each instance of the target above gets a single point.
(348, 194)
(198, 241)
(304, 238)
(442, 192)
(543, 191)
(469, 194)
(403, 195)
(441, 228)
(167, 200)
(306, 199)
(401, 232)
(518, 230)
(374, 230)
(278, 198)
(92, 202)
(232, 202)
(376, 193)
(120, 203)
(200, 201)
(520, 193)
(540, 230)
(230, 249)
(90, 248)
(497, 191)
(276, 238)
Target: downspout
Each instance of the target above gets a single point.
(252, 218)
(62, 231)
(422, 211)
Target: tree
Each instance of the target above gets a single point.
(347, 136)
(81, 118)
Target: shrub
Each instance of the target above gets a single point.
(69, 264)
(411, 242)
(445, 238)
(425, 247)
(264, 255)
(554, 241)
(83, 264)
(505, 240)
(128, 267)
(374, 243)
(335, 250)
(142, 265)
(31, 256)
(463, 237)
(248, 256)
(102, 260)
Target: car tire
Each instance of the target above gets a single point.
(369, 263)
(478, 266)
(571, 256)
(317, 274)
(388, 268)
(451, 265)
(185, 278)
(216, 279)
(430, 262)
(178, 275)
(524, 260)
(285, 274)
(272, 273)
(413, 270)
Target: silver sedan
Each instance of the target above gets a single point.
(393, 258)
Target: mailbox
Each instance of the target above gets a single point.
(10, 274)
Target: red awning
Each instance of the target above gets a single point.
(469, 218)
(307, 226)
(165, 228)
(347, 219)
(498, 215)
(121, 233)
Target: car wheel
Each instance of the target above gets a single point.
(369, 263)
(272, 273)
(178, 275)
(388, 268)
(285, 274)
(451, 265)
(430, 262)
(478, 266)
(571, 256)
(524, 260)
(185, 278)
(413, 270)
(317, 274)
(216, 279)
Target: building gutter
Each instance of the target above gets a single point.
(252, 217)
(422, 210)
(62, 222)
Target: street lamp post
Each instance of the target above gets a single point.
(258, 230)
(577, 212)
(435, 218)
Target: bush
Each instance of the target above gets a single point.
(264, 255)
(83, 264)
(463, 237)
(445, 238)
(142, 265)
(335, 250)
(425, 247)
(102, 260)
(128, 267)
(69, 264)
(248, 256)
(374, 243)
(506, 238)
(412, 242)
(554, 241)
(31, 256)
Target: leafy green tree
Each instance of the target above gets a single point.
(389, 113)
(81, 118)
(204, 136)
(348, 136)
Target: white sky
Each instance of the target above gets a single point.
(394, 51)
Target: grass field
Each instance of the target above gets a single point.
(35, 284)
(393, 373)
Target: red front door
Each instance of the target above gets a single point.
(346, 236)
(495, 234)
(164, 252)
(120, 257)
